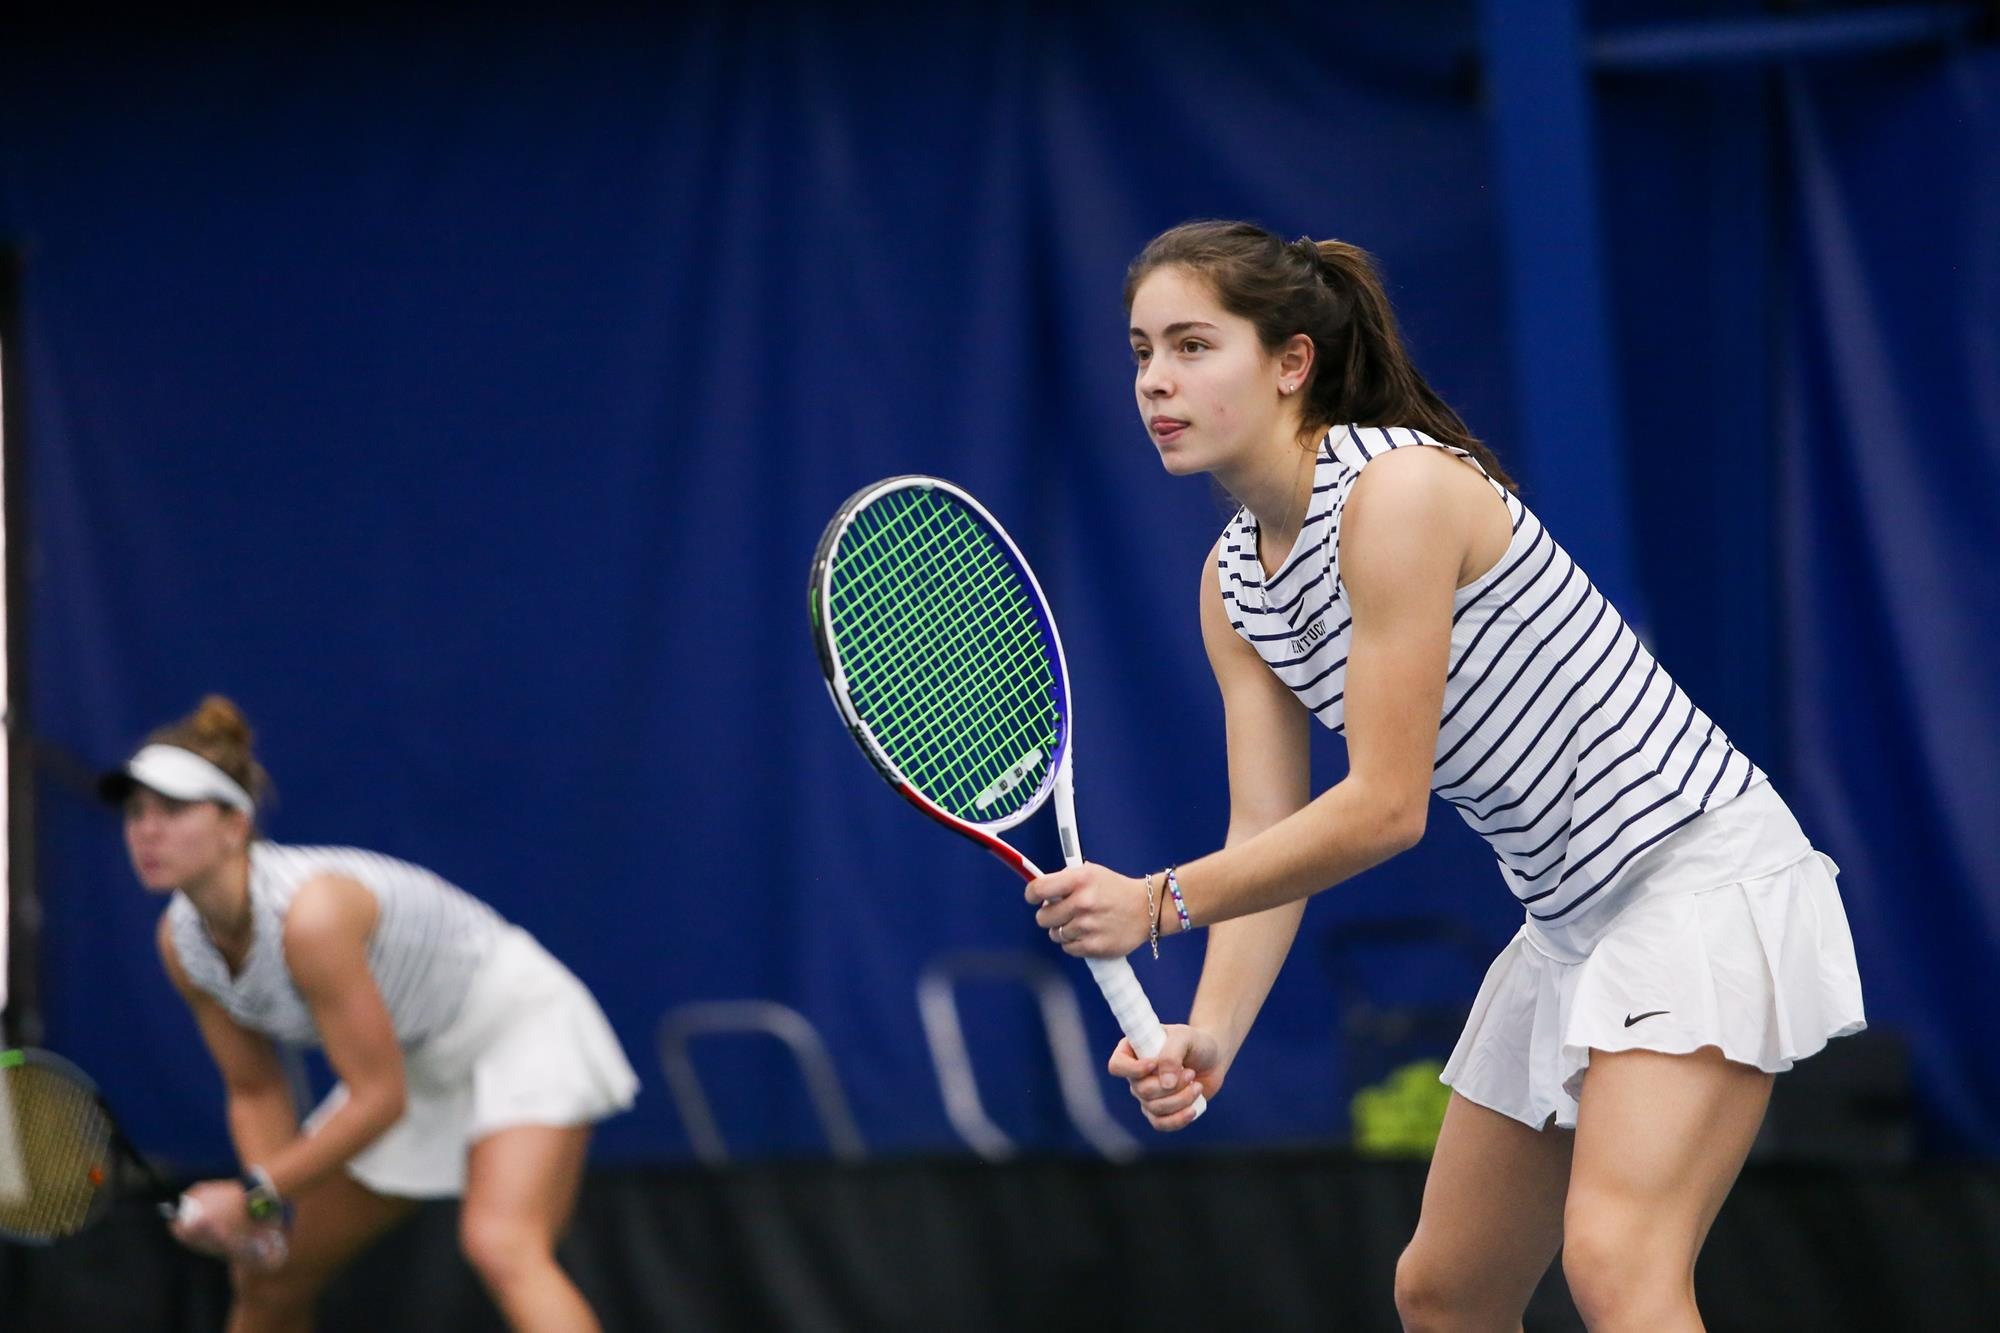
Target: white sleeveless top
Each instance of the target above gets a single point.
(1562, 742)
(430, 937)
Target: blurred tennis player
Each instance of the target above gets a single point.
(471, 1062)
(1683, 941)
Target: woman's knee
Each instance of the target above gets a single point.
(502, 1248)
(1435, 1293)
(1421, 1289)
(1622, 1267)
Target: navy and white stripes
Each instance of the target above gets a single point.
(430, 936)
(1561, 742)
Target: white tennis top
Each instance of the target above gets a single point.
(1562, 742)
(430, 936)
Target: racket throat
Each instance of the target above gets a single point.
(1064, 796)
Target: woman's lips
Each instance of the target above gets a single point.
(1167, 429)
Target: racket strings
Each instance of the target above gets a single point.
(955, 659)
(902, 603)
(945, 652)
(982, 620)
(62, 1141)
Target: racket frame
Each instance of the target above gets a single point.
(1114, 976)
(118, 1145)
(267, 1247)
(1055, 776)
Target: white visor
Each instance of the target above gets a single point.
(177, 773)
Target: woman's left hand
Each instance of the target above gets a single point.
(1090, 911)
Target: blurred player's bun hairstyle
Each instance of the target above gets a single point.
(219, 733)
(1331, 292)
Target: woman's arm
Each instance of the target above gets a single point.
(262, 1119)
(326, 950)
(1404, 542)
(1270, 777)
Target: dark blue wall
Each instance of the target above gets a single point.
(465, 399)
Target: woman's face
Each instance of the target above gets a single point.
(1207, 389)
(174, 843)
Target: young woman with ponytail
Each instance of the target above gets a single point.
(471, 1062)
(1682, 942)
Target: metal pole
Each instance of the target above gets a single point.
(1735, 41)
(1572, 433)
(20, 908)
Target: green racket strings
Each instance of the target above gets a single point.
(53, 1143)
(944, 653)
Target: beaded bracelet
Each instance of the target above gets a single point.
(1152, 918)
(1180, 903)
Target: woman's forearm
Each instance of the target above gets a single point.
(1254, 890)
(361, 1119)
(1241, 964)
(1343, 831)
(262, 1121)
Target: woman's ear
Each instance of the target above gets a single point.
(1295, 361)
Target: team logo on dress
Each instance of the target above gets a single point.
(1313, 634)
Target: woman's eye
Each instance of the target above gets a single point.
(1192, 345)
(1139, 354)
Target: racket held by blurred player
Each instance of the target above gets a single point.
(60, 1154)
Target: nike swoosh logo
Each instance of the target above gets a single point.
(1630, 1019)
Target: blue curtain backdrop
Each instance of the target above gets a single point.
(1890, 429)
(466, 401)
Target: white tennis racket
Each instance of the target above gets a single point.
(942, 656)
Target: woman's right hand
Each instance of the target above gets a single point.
(200, 1222)
(1189, 1062)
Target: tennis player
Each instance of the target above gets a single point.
(471, 1062)
(1682, 941)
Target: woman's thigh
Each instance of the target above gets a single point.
(1661, 1138)
(1493, 1206)
(525, 1179)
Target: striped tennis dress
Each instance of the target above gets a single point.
(1562, 742)
(430, 937)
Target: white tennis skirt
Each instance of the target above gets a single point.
(1728, 934)
(528, 1046)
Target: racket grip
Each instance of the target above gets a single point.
(1134, 1011)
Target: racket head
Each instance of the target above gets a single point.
(940, 652)
(57, 1146)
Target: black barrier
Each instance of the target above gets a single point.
(1268, 1242)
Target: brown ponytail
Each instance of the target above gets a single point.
(219, 733)
(1329, 291)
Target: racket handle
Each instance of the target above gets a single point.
(1134, 1011)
